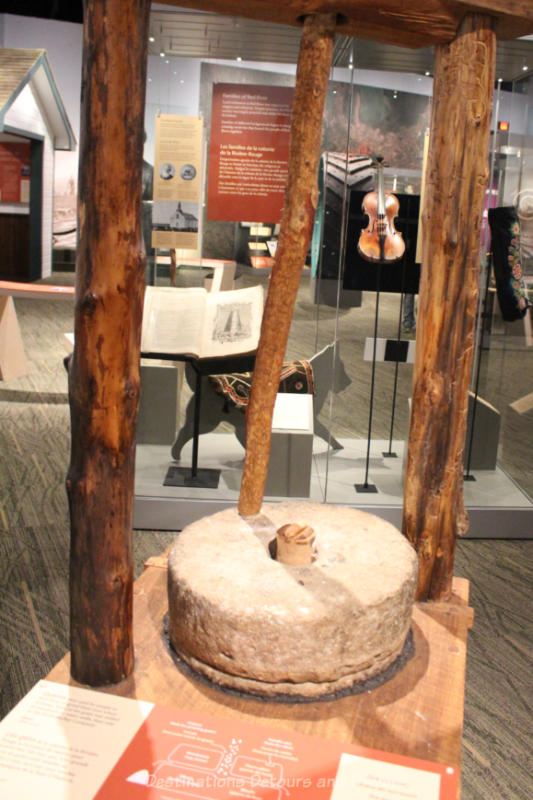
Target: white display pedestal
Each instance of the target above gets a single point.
(291, 450)
(158, 406)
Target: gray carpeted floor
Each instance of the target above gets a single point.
(34, 533)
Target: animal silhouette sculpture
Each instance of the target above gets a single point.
(327, 367)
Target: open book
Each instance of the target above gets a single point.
(200, 323)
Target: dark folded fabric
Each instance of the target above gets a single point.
(296, 378)
(505, 246)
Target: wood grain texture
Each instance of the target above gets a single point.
(104, 369)
(419, 712)
(395, 22)
(301, 197)
(456, 178)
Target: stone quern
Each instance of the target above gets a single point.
(251, 623)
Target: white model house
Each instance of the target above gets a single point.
(33, 124)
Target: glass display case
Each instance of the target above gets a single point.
(353, 334)
(504, 357)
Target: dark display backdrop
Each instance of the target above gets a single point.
(359, 274)
(385, 122)
(398, 276)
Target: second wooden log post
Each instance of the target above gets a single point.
(456, 180)
(301, 197)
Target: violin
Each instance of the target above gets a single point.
(380, 241)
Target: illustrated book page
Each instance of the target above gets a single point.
(232, 322)
(200, 323)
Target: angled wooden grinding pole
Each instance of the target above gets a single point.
(301, 197)
(456, 180)
(104, 368)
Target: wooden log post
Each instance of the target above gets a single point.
(301, 197)
(456, 180)
(104, 368)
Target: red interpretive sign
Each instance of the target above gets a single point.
(248, 152)
(14, 172)
(63, 741)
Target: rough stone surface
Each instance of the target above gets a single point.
(249, 622)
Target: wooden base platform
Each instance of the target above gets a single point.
(419, 712)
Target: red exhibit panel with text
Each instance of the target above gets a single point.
(14, 172)
(248, 152)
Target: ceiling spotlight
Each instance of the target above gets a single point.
(151, 38)
(162, 55)
(524, 68)
(239, 58)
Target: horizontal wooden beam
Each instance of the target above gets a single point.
(394, 22)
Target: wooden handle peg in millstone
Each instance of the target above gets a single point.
(294, 544)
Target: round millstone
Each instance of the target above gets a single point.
(251, 623)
